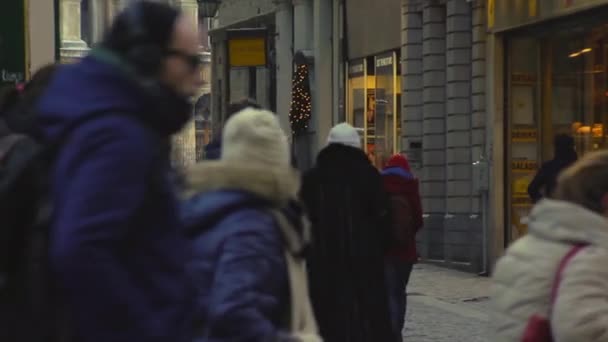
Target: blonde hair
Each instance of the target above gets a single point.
(585, 182)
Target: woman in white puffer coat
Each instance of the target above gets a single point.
(577, 215)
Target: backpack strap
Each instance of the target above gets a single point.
(560, 270)
(8, 142)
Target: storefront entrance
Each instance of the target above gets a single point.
(373, 105)
(557, 82)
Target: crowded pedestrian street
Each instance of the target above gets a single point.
(303, 170)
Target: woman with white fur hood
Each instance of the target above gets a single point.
(249, 236)
(552, 284)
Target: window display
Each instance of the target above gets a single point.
(557, 84)
(374, 105)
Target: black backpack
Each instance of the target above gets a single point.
(29, 309)
(25, 214)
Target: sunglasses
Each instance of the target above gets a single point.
(193, 61)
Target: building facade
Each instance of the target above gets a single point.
(257, 45)
(473, 91)
(43, 32)
(27, 39)
(409, 75)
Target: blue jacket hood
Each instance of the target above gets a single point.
(100, 84)
(205, 209)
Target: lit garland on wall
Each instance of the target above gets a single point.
(301, 101)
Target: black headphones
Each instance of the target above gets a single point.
(145, 56)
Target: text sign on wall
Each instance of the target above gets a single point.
(247, 51)
(356, 69)
(12, 42)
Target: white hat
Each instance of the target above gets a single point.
(344, 134)
(255, 137)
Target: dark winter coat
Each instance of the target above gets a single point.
(399, 181)
(348, 211)
(239, 266)
(213, 150)
(545, 180)
(117, 249)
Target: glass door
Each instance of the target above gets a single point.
(386, 108)
(523, 127)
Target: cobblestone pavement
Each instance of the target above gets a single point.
(447, 306)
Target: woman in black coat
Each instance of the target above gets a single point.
(348, 210)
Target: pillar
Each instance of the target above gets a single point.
(411, 72)
(481, 134)
(434, 109)
(284, 58)
(433, 126)
(184, 142)
(479, 147)
(458, 121)
(302, 23)
(461, 227)
(72, 45)
(412, 100)
(98, 19)
(323, 69)
(302, 41)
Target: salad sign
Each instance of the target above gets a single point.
(12, 42)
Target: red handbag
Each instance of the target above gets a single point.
(538, 328)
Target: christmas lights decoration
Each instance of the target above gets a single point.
(301, 101)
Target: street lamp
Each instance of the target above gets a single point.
(208, 8)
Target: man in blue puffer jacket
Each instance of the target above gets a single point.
(117, 251)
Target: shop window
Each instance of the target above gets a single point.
(373, 105)
(557, 84)
(357, 95)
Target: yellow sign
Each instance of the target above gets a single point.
(520, 187)
(524, 135)
(491, 10)
(247, 52)
(524, 165)
(532, 8)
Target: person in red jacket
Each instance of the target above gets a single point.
(403, 189)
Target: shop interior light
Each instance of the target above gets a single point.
(578, 53)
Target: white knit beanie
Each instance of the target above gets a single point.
(255, 137)
(344, 134)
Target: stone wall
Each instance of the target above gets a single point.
(444, 116)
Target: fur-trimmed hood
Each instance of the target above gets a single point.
(218, 188)
(276, 186)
